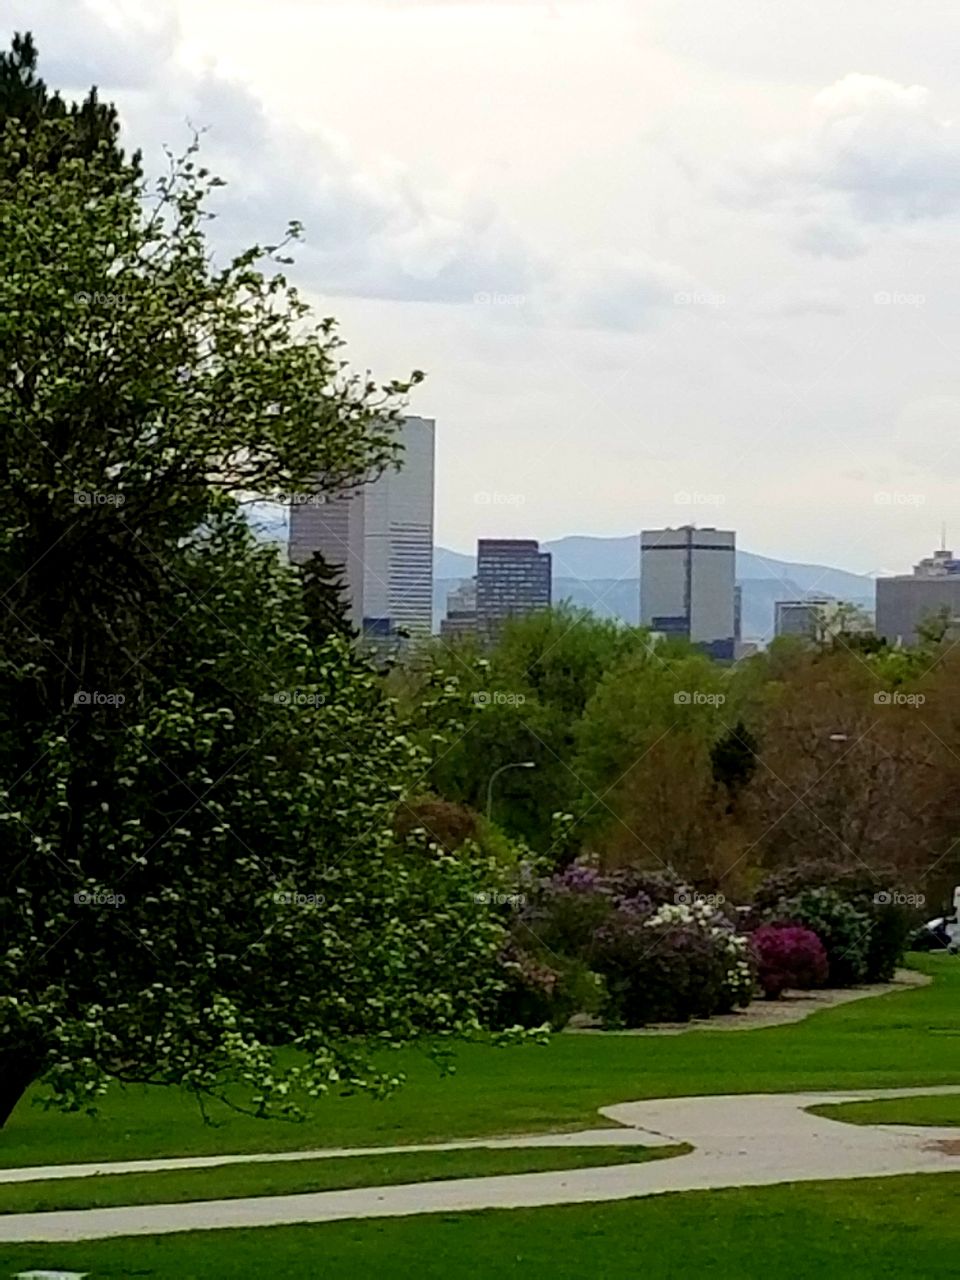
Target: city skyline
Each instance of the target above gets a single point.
(778, 219)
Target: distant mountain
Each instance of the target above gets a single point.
(602, 574)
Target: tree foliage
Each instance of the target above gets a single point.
(197, 795)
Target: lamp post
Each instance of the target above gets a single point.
(519, 764)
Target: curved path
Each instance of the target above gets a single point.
(740, 1140)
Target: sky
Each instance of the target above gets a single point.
(662, 262)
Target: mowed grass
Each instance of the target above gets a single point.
(936, 1110)
(854, 1230)
(907, 1038)
(336, 1173)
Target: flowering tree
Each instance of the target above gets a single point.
(197, 795)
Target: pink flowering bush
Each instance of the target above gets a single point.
(788, 955)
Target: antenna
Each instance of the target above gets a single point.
(943, 536)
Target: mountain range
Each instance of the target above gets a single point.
(603, 574)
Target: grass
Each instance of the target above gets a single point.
(853, 1230)
(338, 1173)
(936, 1110)
(907, 1038)
(895, 1040)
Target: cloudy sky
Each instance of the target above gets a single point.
(662, 261)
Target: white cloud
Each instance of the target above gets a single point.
(873, 153)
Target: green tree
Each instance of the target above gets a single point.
(521, 701)
(93, 127)
(197, 799)
(323, 595)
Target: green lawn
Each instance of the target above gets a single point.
(934, 1110)
(228, 1182)
(856, 1230)
(908, 1038)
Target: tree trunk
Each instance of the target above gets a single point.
(17, 1073)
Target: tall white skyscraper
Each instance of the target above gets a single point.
(398, 538)
(687, 585)
(380, 537)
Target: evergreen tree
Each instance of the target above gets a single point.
(93, 125)
(323, 599)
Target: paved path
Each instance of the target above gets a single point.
(740, 1140)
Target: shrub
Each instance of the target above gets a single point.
(538, 993)
(788, 956)
(677, 963)
(867, 890)
(566, 911)
(843, 929)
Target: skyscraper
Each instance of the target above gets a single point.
(513, 579)
(380, 537)
(687, 586)
(398, 538)
(332, 524)
(908, 599)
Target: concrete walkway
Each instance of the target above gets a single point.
(740, 1140)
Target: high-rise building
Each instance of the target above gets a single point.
(513, 579)
(380, 537)
(807, 618)
(398, 539)
(461, 615)
(332, 524)
(687, 586)
(909, 599)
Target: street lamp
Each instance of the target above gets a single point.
(519, 764)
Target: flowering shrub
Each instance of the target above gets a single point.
(788, 956)
(679, 962)
(843, 929)
(861, 887)
(538, 993)
(586, 934)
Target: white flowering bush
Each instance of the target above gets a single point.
(682, 960)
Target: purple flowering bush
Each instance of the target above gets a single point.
(624, 941)
(788, 956)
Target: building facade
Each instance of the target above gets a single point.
(803, 617)
(907, 600)
(332, 524)
(398, 539)
(688, 586)
(513, 579)
(461, 616)
(380, 537)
